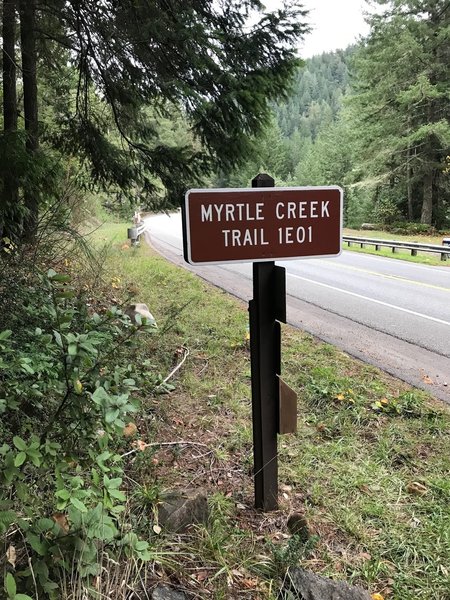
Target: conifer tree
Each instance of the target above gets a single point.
(202, 58)
(402, 105)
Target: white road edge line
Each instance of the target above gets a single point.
(406, 310)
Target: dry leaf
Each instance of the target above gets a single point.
(129, 430)
(249, 583)
(365, 556)
(61, 520)
(286, 488)
(416, 488)
(140, 445)
(427, 379)
(201, 576)
(11, 556)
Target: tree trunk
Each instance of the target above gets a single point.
(433, 116)
(409, 186)
(9, 66)
(30, 105)
(427, 203)
(9, 197)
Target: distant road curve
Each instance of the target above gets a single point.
(390, 313)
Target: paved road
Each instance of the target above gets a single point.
(389, 313)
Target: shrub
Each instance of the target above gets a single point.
(405, 228)
(66, 391)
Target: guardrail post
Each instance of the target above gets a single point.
(132, 235)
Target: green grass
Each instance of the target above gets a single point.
(369, 466)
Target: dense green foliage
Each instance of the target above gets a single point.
(98, 80)
(67, 391)
(373, 119)
(402, 106)
(313, 105)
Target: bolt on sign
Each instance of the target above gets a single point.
(262, 224)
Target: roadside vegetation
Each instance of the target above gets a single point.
(368, 467)
(95, 436)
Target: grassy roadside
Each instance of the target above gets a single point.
(369, 467)
(424, 258)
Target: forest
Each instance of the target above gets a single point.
(373, 118)
(88, 112)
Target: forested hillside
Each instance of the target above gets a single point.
(373, 119)
(313, 104)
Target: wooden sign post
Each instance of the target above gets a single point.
(260, 225)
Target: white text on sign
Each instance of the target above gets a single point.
(254, 212)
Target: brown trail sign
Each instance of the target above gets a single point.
(260, 225)
(242, 225)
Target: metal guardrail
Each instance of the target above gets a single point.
(136, 231)
(443, 250)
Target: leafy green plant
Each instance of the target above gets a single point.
(290, 554)
(65, 399)
(11, 589)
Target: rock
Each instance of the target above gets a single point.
(178, 510)
(140, 309)
(297, 525)
(369, 226)
(304, 585)
(164, 592)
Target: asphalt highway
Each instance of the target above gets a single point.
(386, 312)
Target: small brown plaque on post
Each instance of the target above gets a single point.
(288, 408)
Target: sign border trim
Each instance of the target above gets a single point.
(186, 224)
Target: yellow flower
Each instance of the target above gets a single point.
(340, 397)
(377, 597)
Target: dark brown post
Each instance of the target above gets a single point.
(268, 305)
